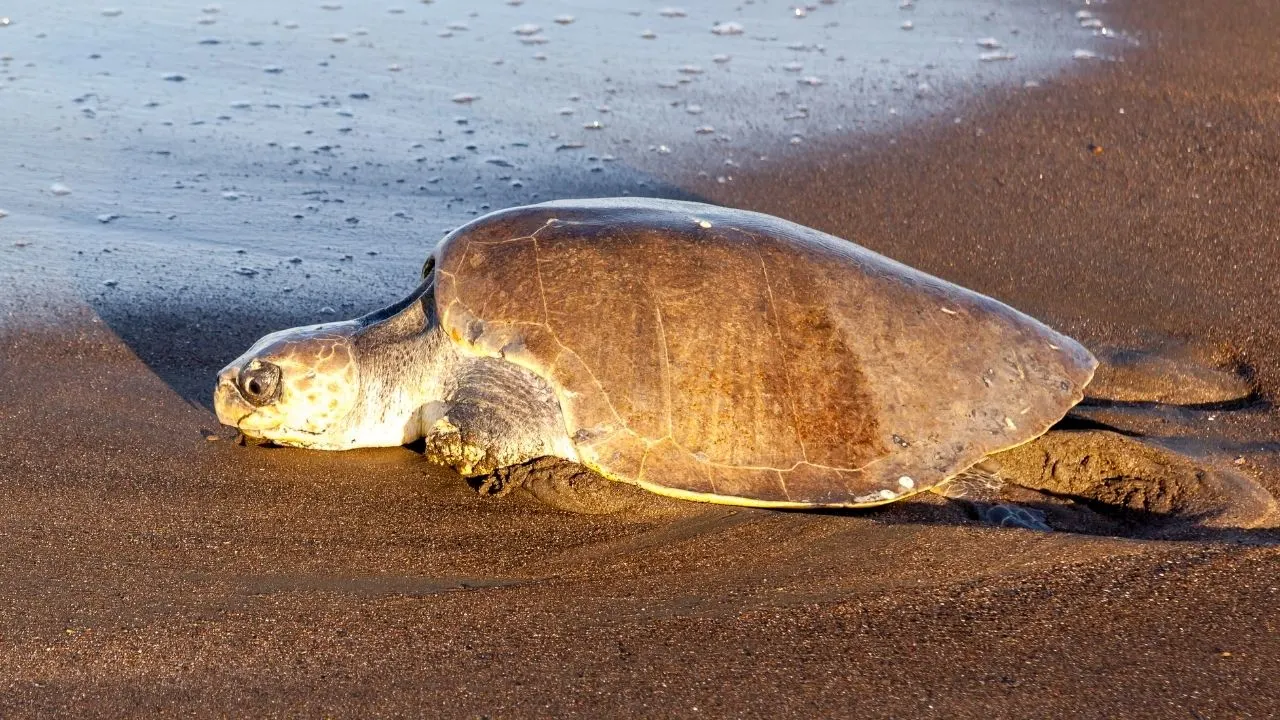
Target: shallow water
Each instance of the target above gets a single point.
(270, 163)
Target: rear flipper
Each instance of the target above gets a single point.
(1170, 374)
(1103, 482)
(979, 487)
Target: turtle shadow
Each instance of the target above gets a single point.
(1074, 515)
(185, 345)
(186, 340)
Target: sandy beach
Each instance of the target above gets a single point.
(150, 566)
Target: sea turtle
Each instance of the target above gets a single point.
(695, 351)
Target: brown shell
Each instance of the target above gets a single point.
(726, 355)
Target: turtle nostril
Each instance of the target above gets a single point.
(260, 383)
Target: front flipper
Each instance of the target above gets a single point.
(501, 428)
(980, 488)
(498, 415)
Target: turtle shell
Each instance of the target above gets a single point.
(730, 356)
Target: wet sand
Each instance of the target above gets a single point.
(146, 569)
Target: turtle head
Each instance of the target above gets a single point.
(294, 387)
(343, 385)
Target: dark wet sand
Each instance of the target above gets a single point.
(146, 570)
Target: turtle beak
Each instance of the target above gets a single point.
(228, 403)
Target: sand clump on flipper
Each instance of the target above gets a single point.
(573, 488)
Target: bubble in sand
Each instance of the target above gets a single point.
(811, 80)
(241, 105)
(59, 189)
(704, 130)
(593, 125)
(564, 19)
(5, 22)
(465, 98)
(526, 29)
(230, 195)
(339, 37)
(107, 217)
(1082, 54)
(989, 43)
(648, 34)
(799, 12)
(721, 58)
(112, 12)
(690, 70)
(3, 214)
(565, 111)
(793, 67)
(110, 283)
(673, 12)
(728, 28)
(459, 26)
(290, 25)
(907, 25)
(534, 40)
(539, 56)
(996, 56)
(693, 109)
(206, 20)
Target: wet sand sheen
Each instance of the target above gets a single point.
(148, 569)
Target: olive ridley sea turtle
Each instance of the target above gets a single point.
(695, 351)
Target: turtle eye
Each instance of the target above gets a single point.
(260, 384)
